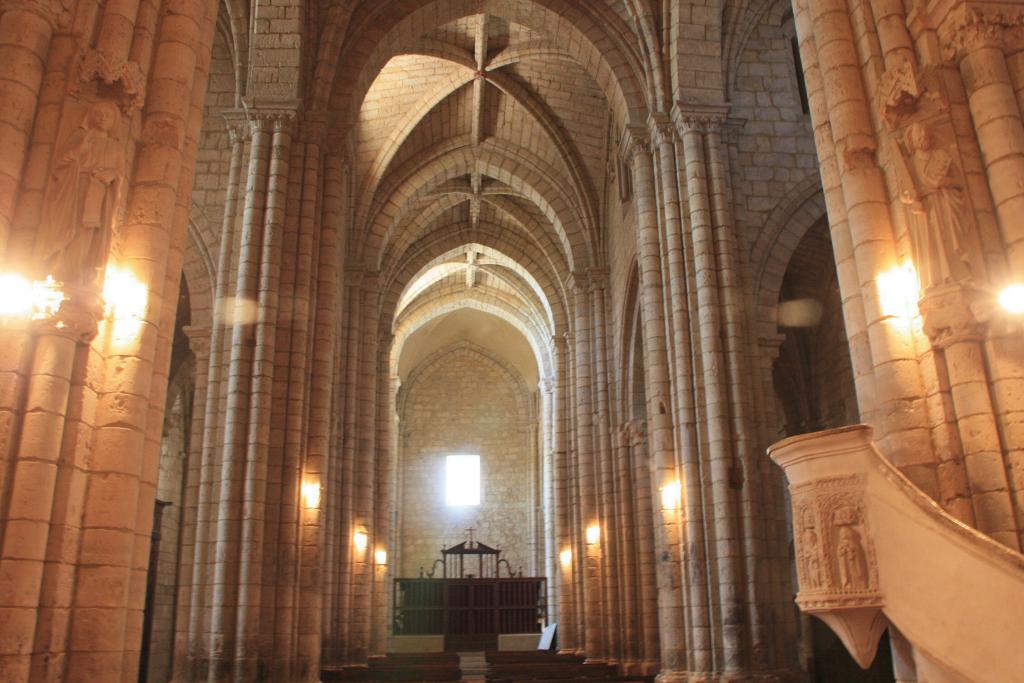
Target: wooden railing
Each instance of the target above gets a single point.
(468, 606)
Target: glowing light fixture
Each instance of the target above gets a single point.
(566, 558)
(593, 534)
(22, 298)
(380, 557)
(360, 539)
(671, 495)
(898, 293)
(311, 494)
(1012, 299)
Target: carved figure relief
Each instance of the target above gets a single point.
(835, 562)
(853, 573)
(82, 198)
(808, 551)
(937, 212)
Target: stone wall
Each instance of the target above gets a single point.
(465, 401)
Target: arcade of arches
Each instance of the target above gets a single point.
(301, 250)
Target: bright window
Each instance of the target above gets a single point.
(462, 480)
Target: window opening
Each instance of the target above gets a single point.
(462, 480)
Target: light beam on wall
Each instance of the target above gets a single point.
(565, 557)
(360, 539)
(380, 557)
(593, 534)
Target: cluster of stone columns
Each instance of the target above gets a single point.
(667, 561)
(249, 600)
(942, 84)
(84, 384)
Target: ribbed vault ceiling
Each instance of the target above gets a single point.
(482, 147)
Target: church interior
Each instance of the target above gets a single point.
(340, 336)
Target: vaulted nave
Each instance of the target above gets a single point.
(337, 329)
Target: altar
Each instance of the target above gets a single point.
(476, 598)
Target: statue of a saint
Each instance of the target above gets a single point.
(82, 199)
(853, 572)
(937, 210)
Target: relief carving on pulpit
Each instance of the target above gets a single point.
(836, 566)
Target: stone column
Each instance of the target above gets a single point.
(26, 28)
(567, 635)
(593, 636)
(979, 42)
(658, 390)
(201, 533)
(724, 468)
(34, 482)
(698, 627)
(247, 654)
(229, 498)
(901, 418)
(321, 443)
(607, 502)
(364, 474)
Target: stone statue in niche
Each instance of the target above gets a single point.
(937, 210)
(83, 197)
(807, 551)
(853, 573)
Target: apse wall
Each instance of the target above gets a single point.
(463, 400)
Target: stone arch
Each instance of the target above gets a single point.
(431, 362)
(793, 216)
(200, 272)
(434, 308)
(456, 238)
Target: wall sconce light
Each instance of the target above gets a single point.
(898, 293)
(380, 556)
(566, 558)
(311, 494)
(360, 539)
(1012, 299)
(671, 495)
(593, 534)
(36, 300)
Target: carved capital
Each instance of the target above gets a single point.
(973, 29)
(580, 282)
(236, 124)
(199, 338)
(950, 315)
(77, 318)
(636, 143)
(699, 118)
(120, 81)
(663, 131)
(48, 10)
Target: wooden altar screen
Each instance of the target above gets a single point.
(469, 609)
